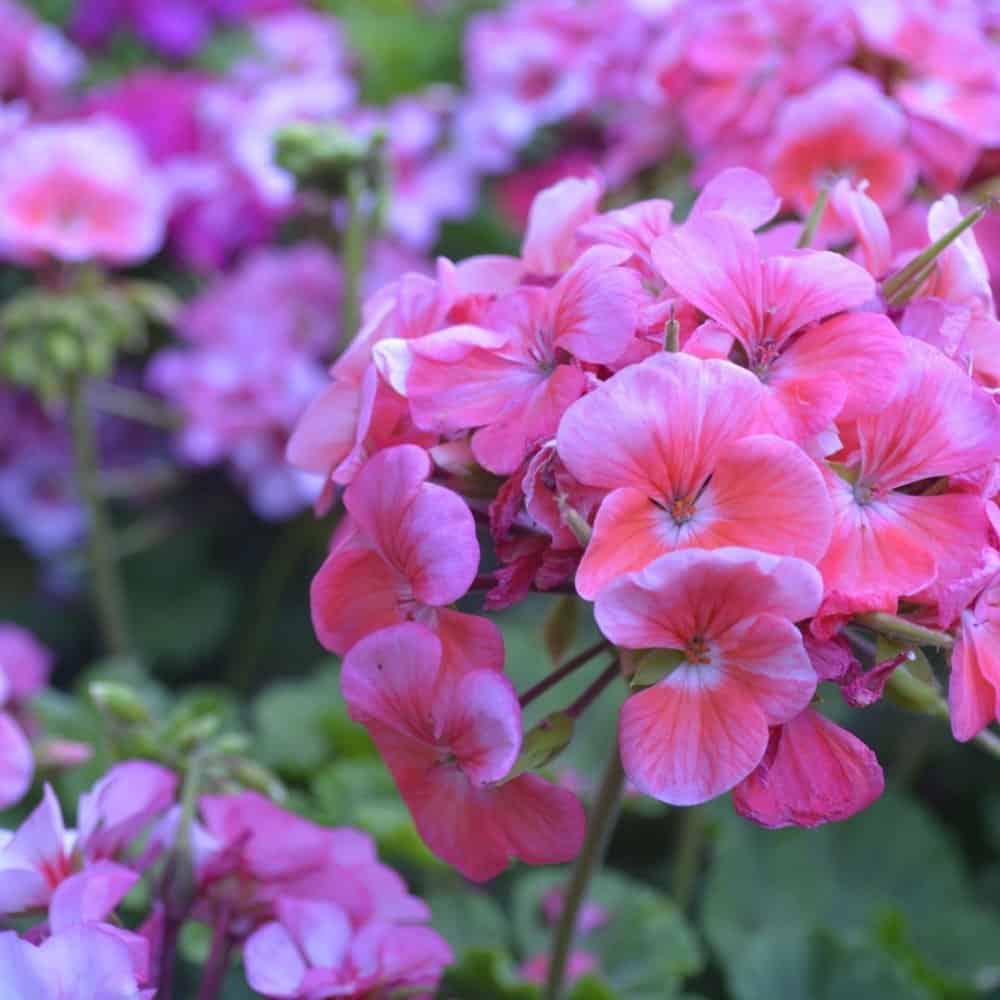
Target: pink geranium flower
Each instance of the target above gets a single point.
(813, 772)
(514, 375)
(449, 743)
(79, 191)
(974, 686)
(741, 669)
(42, 853)
(24, 670)
(890, 538)
(813, 372)
(312, 950)
(240, 872)
(844, 127)
(408, 551)
(81, 963)
(674, 439)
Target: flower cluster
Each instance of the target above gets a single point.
(322, 916)
(800, 91)
(739, 449)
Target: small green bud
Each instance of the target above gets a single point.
(120, 701)
(257, 778)
(321, 157)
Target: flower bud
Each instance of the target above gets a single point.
(322, 157)
(120, 701)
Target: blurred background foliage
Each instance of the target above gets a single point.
(901, 903)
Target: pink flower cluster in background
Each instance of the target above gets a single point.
(324, 914)
(761, 442)
(800, 91)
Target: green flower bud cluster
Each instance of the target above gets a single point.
(325, 157)
(49, 338)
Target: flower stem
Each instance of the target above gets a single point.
(900, 628)
(601, 823)
(132, 404)
(109, 594)
(354, 253)
(210, 987)
(593, 691)
(814, 218)
(895, 283)
(561, 672)
(687, 858)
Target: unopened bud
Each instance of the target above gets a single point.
(322, 156)
(120, 701)
(254, 776)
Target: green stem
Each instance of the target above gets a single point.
(570, 666)
(108, 591)
(600, 825)
(894, 284)
(814, 217)
(286, 554)
(899, 628)
(355, 251)
(687, 859)
(131, 404)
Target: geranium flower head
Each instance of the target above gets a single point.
(674, 440)
(79, 191)
(449, 739)
(729, 613)
(409, 551)
(312, 950)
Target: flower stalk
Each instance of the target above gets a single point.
(109, 593)
(600, 826)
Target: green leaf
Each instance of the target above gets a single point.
(590, 987)
(887, 882)
(485, 975)
(469, 919)
(291, 723)
(561, 625)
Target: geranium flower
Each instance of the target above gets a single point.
(675, 440)
(741, 665)
(450, 738)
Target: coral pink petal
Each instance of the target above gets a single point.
(714, 262)
(556, 214)
(691, 737)
(469, 642)
(543, 823)
(766, 494)
(629, 533)
(741, 194)
(766, 655)
(814, 772)
(863, 351)
(810, 285)
(354, 593)
(659, 426)
(974, 685)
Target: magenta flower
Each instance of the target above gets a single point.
(974, 686)
(449, 742)
(312, 950)
(741, 669)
